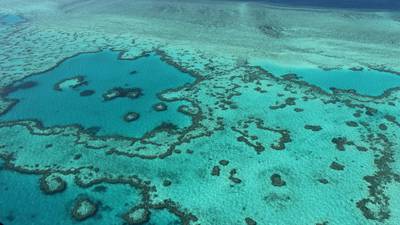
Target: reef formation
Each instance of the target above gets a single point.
(240, 144)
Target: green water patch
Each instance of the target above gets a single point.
(363, 81)
(101, 93)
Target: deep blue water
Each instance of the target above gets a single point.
(345, 4)
(103, 71)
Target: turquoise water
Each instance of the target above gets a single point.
(163, 217)
(22, 203)
(366, 82)
(102, 71)
(254, 149)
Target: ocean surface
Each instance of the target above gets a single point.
(199, 113)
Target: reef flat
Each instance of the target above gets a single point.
(227, 140)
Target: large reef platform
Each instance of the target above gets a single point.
(259, 149)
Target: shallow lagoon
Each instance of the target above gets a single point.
(348, 4)
(365, 82)
(101, 72)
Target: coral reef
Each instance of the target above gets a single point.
(241, 145)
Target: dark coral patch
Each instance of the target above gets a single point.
(390, 118)
(10, 217)
(167, 183)
(215, 171)
(232, 177)
(371, 111)
(188, 110)
(277, 180)
(161, 106)
(131, 116)
(77, 81)
(52, 184)
(323, 181)
(100, 188)
(351, 123)
(93, 130)
(323, 223)
(83, 209)
(224, 162)
(339, 142)
(25, 85)
(298, 109)
(356, 68)
(167, 127)
(119, 92)
(86, 93)
(361, 148)
(136, 216)
(313, 127)
(336, 166)
(250, 140)
(189, 151)
(77, 156)
(288, 102)
(258, 147)
(382, 126)
(357, 114)
(250, 221)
